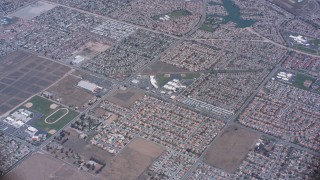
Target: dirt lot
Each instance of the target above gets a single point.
(230, 148)
(160, 67)
(23, 75)
(91, 49)
(99, 112)
(86, 149)
(112, 118)
(132, 161)
(33, 10)
(68, 93)
(125, 98)
(33, 169)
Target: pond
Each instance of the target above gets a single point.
(234, 15)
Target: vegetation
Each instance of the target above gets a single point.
(56, 115)
(41, 124)
(211, 3)
(234, 15)
(208, 27)
(316, 42)
(308, 50)
(162, 80)
(191, 76)
(179, 13)
(213, 21)
(300, 79)
(42, 106)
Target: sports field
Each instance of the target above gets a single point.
(54, 116)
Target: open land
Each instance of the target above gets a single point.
(33, 10)
(67, 92)
(44, 167)
(8, 6)
(125, 98)
(24, 74)
(70, 147)
(133, 160)
(230, 148)
(91, 49)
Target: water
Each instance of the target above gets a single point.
(234, 15)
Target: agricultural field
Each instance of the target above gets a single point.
(22, 75)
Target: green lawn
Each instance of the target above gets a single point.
(178, 13)
(191, 76)
(41, 124)
(42, 106)
(211, 3)
(56, 115)
(316, 42)
(211, 23)
(300, 78)
(307, 50)
(161, 80)
(207, 27)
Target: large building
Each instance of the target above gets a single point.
(89, 86)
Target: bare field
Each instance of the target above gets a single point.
(99, 112)
(125, 98)
(112, 118)
(33, 169)
(86, 149)
(68, 93)
(22, 75)
(230, 148)
(91, 49)
(33, 10)
(133, 160)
